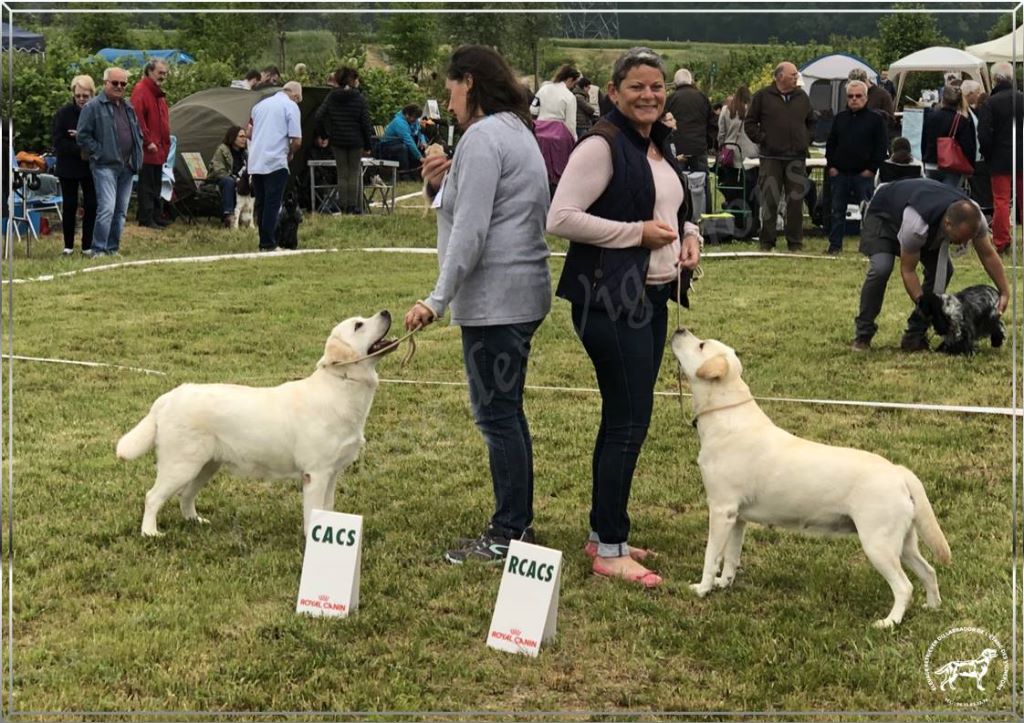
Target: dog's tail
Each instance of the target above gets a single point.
(925, 521)
(141, 438)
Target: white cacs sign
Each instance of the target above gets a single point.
(330, 569)
(526, 612)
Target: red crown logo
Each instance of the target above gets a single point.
(516, 632)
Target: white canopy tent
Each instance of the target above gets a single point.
(939, 59)
(1000, 49)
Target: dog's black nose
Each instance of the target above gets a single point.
(386, 314)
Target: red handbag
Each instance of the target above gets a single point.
(950, 155)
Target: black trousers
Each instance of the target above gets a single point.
(69, 191)
(149, 192)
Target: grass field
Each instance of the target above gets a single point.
(202, 619)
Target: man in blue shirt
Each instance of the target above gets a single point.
(400, 141)
(276, 134)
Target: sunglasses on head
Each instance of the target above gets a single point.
(118, 83)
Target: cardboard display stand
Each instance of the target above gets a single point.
(526, 611)
(329, 585)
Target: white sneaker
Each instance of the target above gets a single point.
(67, 252)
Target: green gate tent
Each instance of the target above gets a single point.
(201, 120)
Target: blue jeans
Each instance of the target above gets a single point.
(845, 188)
(268, 192)
(496, 359)
(627, 357)
(113, 191)
(227, 195)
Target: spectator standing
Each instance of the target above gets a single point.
(624, 208)
(980, 181)
(780, 121)
(854, 151)
(226, 169)
(399, 140)
(108, 131)
(555, 100)
(276, 135)
(916, 220)
(270, 77)
(72, 170)
(154, 123)
(586, 114)
(344, 120)
(733, 135)
(493, 261)
(1001, 119)
(887, 85)
(696, 125)
(900, 163)
(938, 123)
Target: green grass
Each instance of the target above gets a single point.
(202, 619)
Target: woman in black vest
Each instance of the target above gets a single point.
(621, 203)
(72, 171)
(938, 124)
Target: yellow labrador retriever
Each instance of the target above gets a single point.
(755, 472)
(310, 429)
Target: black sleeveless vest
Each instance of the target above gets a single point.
(929, 198)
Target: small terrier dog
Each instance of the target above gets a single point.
(287, 232)
(964, 317)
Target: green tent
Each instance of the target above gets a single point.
(201, 120)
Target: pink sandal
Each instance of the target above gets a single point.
(638, 554)
(647, 579)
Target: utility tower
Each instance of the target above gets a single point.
(591, 20)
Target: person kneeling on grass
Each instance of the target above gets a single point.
(492, 201)
(916, 220)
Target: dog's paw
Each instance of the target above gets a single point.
(884, 624)
(700, 589)
(152, 533)
(723, 581)
(198, 519)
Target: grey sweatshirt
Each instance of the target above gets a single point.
(490, 228)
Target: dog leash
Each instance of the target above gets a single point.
(701, 413)
(391, 346)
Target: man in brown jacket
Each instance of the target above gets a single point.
(779, 120)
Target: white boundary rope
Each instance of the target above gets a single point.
(46, 360)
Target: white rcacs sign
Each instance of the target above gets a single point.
(330, 569)
(526, 612)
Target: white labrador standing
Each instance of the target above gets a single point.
(310, 429)
(755, 472)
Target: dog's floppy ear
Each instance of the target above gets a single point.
(336, 352)
(714, 368)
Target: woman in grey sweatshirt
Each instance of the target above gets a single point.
(492, 203)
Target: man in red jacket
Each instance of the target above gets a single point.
(154, 123)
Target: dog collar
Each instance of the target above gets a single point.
(701, 413)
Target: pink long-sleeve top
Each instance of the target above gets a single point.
(584, 180)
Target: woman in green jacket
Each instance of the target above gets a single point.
(226, 169)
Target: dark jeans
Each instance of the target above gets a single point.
(150, 176)
(268, 192)
(496, 360)
(69, 191)
(626, 355)
(228, 194)
(845, 188)
(872, 293)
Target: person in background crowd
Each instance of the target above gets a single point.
(586, 114)
(226, 168)
(696, 125)
(72, 170)
(270, 77)
(980, 182)
(276, 135)
(887, 85)
(252, 78)
(879, 100)
(301, 73)
(731, 134)
(343, 121)
(900, 163)
(399, 140)
(623, 206)
(555, 101)
(491, 200)
(108, 132)
(1001, 119)
(854, 151)
(150, 105)
(780, 121)
(915, 221)
(939, 123)
(604, 103)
